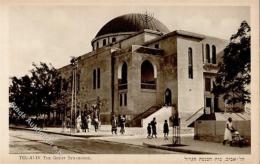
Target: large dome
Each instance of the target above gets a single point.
(132, 23)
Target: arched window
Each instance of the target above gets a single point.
(104, 42)
(190, 64)
(214, 56)
(98, 78)
(94, 79)
(207, 53)
(122, 76)
(148, 80)
(113, 40)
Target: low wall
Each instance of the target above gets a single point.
(211, 130)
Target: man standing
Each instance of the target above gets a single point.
(166, 130)
(122, 124)
(153, 123)
(114, 125)
(96, 123)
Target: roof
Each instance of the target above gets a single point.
(132, 23)
(174, 33)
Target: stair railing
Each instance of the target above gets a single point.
(195, 113)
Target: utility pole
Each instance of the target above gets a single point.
(74, 64)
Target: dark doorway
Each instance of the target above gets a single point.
(208, 106)
(168, 97)
(216, 108)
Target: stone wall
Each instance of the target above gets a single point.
(86, 95)
(220, 45)
(142, 98)
(190, 90)
(211, 130)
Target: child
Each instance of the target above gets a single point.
(165, 130)
(149, 130)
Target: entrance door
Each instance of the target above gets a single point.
(168, 97)
(208, 106)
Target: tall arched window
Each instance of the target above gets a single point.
(207, 53)
(94, 79)
(190, 64)
(148, 80)
(122, 76)
(214, 56)
(104, 42)
(98, 78)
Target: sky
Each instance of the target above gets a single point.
(53, 34)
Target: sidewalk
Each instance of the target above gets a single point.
(103, 131)
(137, 136)
(191, 146)
(68, 132)
(198, 147)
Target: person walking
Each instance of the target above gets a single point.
(78, 124)
(114, 125)
(96, 124)
(84, 123)
(88, 122)
(122, 124)
(149, 129)
(166, 130)
(153, 124)
(229, 129)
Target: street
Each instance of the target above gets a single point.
(29, 142)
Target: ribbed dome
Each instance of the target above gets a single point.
(132, 23)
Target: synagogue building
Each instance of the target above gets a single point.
(137, 66)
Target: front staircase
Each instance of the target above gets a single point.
(218, 116)
(137, 121)
(199, 115)
(189, 122)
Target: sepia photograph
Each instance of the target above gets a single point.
(133, 79)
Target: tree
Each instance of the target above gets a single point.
(20, 94)
(233, 77)
(34, 94)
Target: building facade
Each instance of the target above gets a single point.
(137, 65)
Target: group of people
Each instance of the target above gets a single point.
(118, 122)
(82, 123)
(151, 129)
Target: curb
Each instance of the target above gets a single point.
(64, 134)
(176, 149)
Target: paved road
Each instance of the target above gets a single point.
(25, 142)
